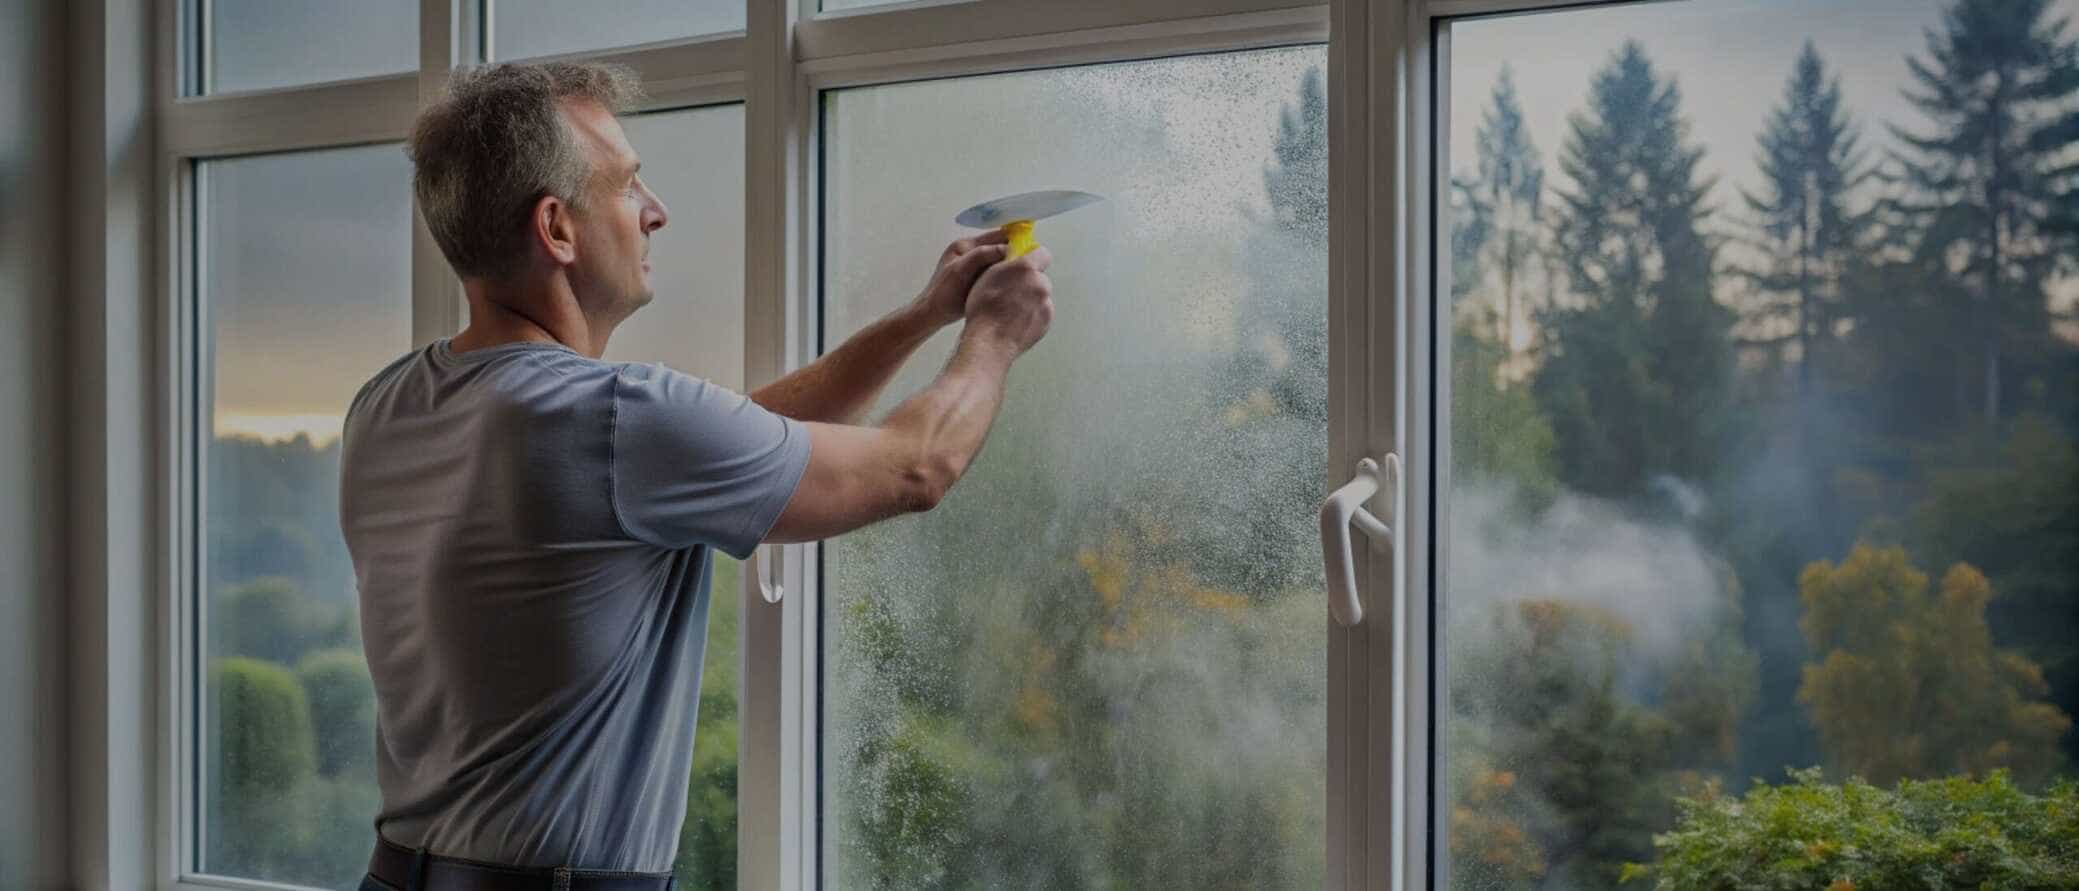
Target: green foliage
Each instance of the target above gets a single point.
(262, 751)
(1981, 185)
(275, 620)
(1638, 366)
(1951, 833)
(707, 840)
(274, 511)
(342, 710)
(1809, 237)
(2012, 509)
(1559, 773)
(1905, 681)
(1498, 432)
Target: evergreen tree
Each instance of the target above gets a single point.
(1807, 233)
(1510, 188)
(1638, 362)
(1982, 178)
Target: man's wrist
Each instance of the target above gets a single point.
(923, 314)
(991, 341)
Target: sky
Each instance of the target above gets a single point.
(1730, 60)
(306, 268)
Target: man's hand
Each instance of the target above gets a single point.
(945, 299)
(1013, 302)
(861, 475)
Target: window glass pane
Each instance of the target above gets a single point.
(693, 160)
(522, 29)
(306, 293)
(1758, 462)
(1102, 661)
(258, 44)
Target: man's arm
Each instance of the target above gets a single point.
(860, 475)
(841, 386)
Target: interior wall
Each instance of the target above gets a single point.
(33, 518)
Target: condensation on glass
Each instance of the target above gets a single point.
(264, 44)
(1739, 453)
(1101, 662)
(524, 29)
(304, 292)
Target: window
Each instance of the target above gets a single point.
(1732, 446)
(1759, 462)
(693, 160)
(523, 29)
(1101, 663)
(264, 44)
(304, 286)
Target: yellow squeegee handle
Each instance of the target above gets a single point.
(1021, 241)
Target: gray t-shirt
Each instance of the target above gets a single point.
(531, 533)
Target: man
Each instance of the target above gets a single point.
(532, 527)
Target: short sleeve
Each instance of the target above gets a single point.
(695, 463)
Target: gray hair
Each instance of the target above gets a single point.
(494, 144)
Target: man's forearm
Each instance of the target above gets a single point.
(841, 386)
(948, 421)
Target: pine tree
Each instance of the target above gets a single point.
(1511, 189)
(1638, 362)
(1806, 231)
(1981, 182)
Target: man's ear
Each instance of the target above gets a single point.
(555, 230)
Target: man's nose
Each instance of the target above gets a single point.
(657, 214)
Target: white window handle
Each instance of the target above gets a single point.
(1338, 511)
(769, 564)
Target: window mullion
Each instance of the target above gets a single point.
(445, 41)
(776, 755)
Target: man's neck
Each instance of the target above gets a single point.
(502, 315)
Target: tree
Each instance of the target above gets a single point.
(707, 839)
(1982, 180)
(1906, 681)
(263, 753)
(1637, 367)
(1498, 433)
(1510, 189)
(2012, 509)
(272, 619)
(342, 711)
(1561, 775)
(1809, 237)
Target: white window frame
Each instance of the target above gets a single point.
(134, 138)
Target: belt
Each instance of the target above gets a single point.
(411, 870)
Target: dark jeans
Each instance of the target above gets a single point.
(371, 883)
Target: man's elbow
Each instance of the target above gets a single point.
(926, 483)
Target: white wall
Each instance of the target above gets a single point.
(33, 630)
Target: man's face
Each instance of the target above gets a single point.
(612, 272)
